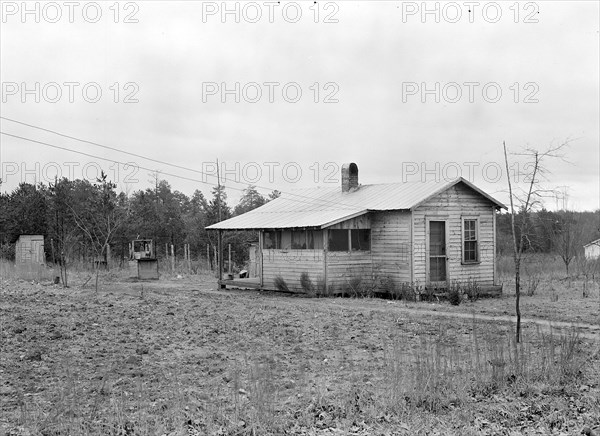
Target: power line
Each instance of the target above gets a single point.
(156, 161)
(110, 148)
(312, 200)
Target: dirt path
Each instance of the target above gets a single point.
(585, 330)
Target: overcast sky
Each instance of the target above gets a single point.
(407, 90)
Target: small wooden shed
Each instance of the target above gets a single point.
(430, 234)
(29, 250)
(592, 250)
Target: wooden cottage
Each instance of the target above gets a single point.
(422, 233)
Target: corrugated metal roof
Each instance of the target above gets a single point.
(324, 206)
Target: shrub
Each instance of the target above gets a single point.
(307, 284)
(472, 290)
(357, 287)
(454, 294)
(409, 291)
(388, 286)
(280, 284)
(532, 283)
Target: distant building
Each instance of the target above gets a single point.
(29, 250)
(592, 250)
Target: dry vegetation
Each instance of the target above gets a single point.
(178, 357)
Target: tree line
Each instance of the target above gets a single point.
(83, 220)
(562, 232)
(79, 219)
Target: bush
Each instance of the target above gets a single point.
(280, 284)
(454, 294)
(472, 290)
(388, 286)
(533, 282)
(357, 287)
(307, 284)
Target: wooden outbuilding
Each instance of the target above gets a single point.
(29, 250)
(429, 234)
(592, 250)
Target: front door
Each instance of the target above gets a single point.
(437, 253)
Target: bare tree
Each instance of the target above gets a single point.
(567, 239)
(527, 199)
(100, 220)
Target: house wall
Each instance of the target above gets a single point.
(593, 251)
(29, 249)
(344, 266)
(391, 245)
(452, 205)
(290, 264)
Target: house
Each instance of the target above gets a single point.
(429, 233)
(592, 250)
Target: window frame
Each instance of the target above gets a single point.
(464, 241)
(350, 248)
(277, 240)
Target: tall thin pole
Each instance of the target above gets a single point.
(220, 238)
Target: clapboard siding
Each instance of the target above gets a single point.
(451, 206)
(343, 266)
(29, 249)
(290, 264)
(391, 245)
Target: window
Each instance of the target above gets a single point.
(470, 245)
(361, 239)
(293, 239)
(307, 240)
(272, 240)
(299, 239)
(338, 240)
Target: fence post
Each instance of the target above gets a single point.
(216, 258)
(229, 261)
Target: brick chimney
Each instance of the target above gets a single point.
(349, 177)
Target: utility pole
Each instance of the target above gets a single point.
(220, 238)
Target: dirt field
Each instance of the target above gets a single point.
(181, 357)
